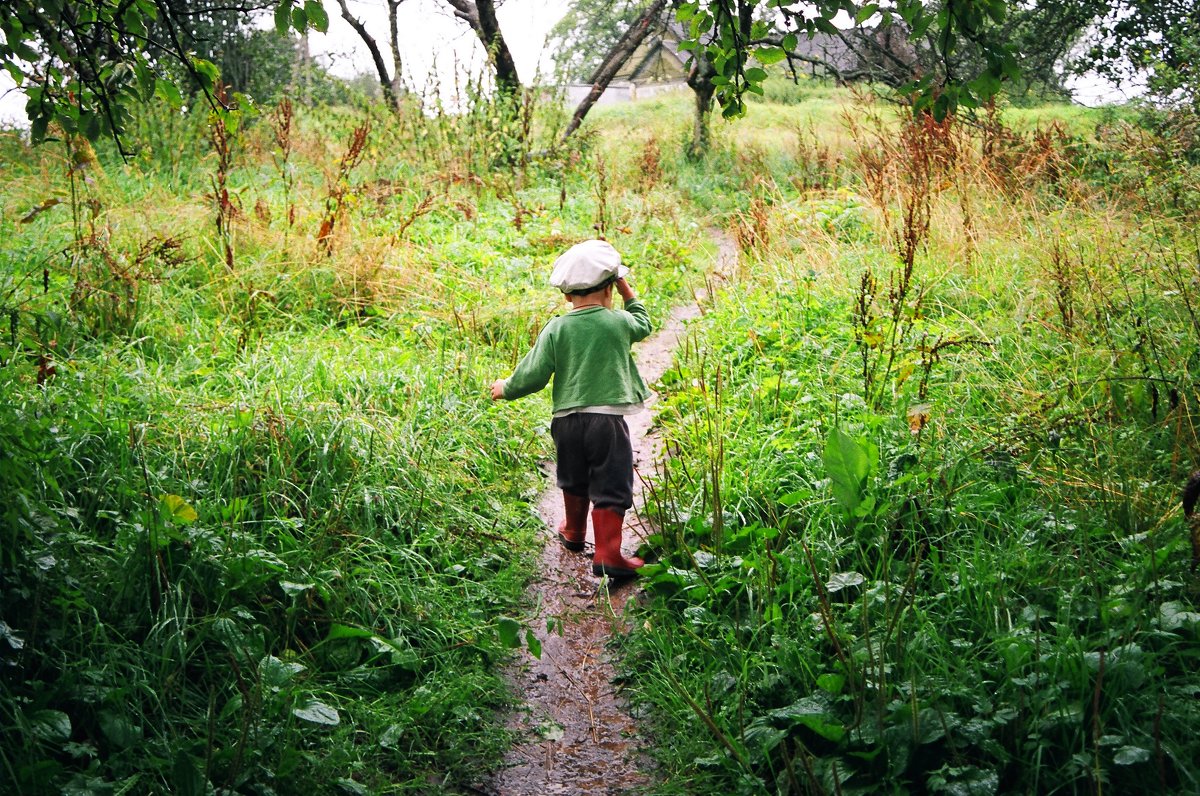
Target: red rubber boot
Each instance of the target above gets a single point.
(608, 559)
(573, 529)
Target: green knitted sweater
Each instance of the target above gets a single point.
(587, 352)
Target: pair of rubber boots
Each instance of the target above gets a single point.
(606, 524)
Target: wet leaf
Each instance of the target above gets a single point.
(843, 580)
(50, 725)
(1129, 755)
(317, 712)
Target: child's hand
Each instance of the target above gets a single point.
(498, 389)
(624, 289)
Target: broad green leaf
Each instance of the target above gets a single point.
(831, 683)
(178, 509)
(276, 674)
(283, 16)
(763, 736)
(168, 92)
(1129, 755)
(187, 779)
(1173, 615)
(812, 712)
(296, 589)
(769, 55)
(844, 580)
(534, 644)
(509, 631)
(317, 17)
(865, 13)
(120, 731)
(796, 498)
(346, 631)
(317, 712)
(391, 736)
(847, 465)
(207, 73)
(50, 725)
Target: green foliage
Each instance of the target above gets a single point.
(85, 65)
(725, 33)
(264, 530)
(586, 33)
(972, 579)
(1156, 40)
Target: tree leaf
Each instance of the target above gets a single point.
(865, 13)
(769, 55)
(283, 16)
(317, 16)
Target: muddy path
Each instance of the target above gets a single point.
(576, 733)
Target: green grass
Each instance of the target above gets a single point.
(1001, 602)
(260, 525)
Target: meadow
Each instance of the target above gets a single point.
(919, 532)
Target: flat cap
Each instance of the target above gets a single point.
(586, 265)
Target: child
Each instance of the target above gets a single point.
(596, 383)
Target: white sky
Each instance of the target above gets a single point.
(429, 35)
(429, 32)
(432, 38)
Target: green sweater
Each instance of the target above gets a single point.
(587, 352)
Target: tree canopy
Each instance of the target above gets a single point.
(731, 32)
(588, 31)
(1156, 39)
(84, 63)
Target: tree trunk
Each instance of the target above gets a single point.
(385, 80)
(393, 5)
(615, 59)
(481, 16)
(700, 81)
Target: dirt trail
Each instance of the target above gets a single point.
(577, 734)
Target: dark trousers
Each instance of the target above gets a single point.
(595, 459)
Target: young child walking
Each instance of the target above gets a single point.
(596, 384)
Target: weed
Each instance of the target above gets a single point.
(338, 186)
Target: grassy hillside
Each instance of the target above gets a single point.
(920, 531)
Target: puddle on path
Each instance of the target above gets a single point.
(577, 736)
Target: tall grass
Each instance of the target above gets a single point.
(920, 528)
(260, 519)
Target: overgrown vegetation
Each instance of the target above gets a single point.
(920, 528)
(262, 531)
(260, 521)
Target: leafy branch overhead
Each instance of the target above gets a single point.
(740, 37)
(83, 64)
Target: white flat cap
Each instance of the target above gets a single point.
(586, 265)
